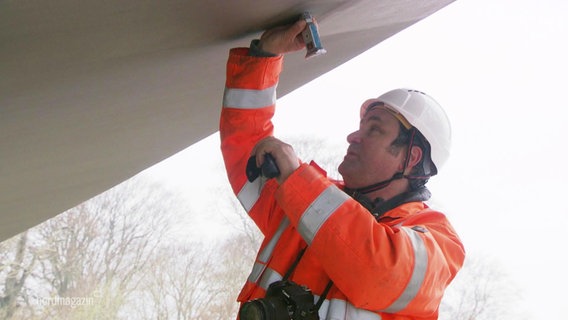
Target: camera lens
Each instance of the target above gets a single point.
(264, 309)
(252, 311)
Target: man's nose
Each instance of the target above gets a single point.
(354, 137)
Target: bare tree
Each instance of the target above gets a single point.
(481, 290)
(96, 250)
(236, 256)
(181, 284)
(15, 269)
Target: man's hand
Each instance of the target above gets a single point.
(283, 39)
(286, 159)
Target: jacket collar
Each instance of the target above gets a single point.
(380, 207)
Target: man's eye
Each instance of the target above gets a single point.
(375, 129)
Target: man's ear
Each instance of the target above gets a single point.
(415, 157)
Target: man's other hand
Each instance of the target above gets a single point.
(283, 153)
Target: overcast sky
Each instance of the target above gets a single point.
(499, 69)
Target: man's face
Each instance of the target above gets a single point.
(371, 158)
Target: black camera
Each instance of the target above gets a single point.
(284, 300)
(269, 169)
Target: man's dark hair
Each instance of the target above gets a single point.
(424, 169)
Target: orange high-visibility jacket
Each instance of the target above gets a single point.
(394, 268)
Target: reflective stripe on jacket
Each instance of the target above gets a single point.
(395, 268)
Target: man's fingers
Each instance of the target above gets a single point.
(268, 145)
(297, 27)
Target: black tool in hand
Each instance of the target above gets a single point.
(268, 169)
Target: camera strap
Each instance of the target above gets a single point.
(323, 294)
(294, 265)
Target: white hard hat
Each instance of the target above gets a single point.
(425, 114)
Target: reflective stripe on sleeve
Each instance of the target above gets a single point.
(250, 193)
(257, 270)
(260, 265)
(319, 211)
(336, 309)
(269, 276)
(248, 98)
(418, 273)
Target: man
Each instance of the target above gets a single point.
(367, 247)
